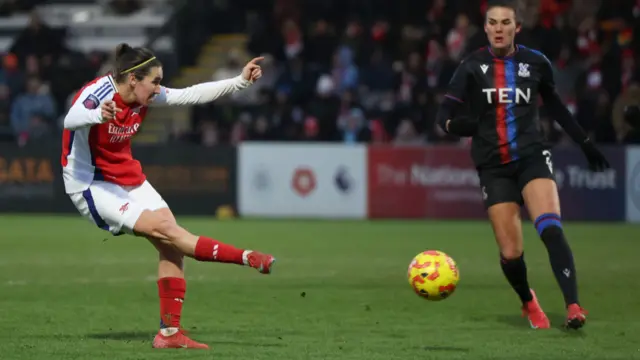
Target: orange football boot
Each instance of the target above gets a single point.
(576, 317)
(261, 262)
(537, 318)
(176, 341)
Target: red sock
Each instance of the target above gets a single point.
(214, 251)
(171, 291)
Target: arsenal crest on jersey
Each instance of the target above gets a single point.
(91, 102)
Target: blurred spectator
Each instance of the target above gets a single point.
(39, 128)
(325, 107)
(353, 127)
(321, 44)
(629, 70)
(37, 39)
(6, 132)
(293, 39)
(378, 75)
(238, 133)
(344, 72)
(566, 71)
(31, 110)
(630, 96)
(11, 75)
(297, 80)
(411, 78)
(458, 36)
(261, 130)
(231, 69)
(210, 134)
(406, 134)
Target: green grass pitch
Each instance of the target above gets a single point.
(338, 291)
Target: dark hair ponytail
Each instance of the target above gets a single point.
(137, 61)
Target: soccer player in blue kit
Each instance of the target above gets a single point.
(499, 86)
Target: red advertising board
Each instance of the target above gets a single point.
(423, 182)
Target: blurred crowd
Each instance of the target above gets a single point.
(39, 75)
(374, 71)
(353, 70)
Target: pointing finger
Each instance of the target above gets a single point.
(256, 59)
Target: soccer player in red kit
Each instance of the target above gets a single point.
(500, 86)
(107, 185)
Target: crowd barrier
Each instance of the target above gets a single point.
(295, 180)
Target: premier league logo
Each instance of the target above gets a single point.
(343, 180)
(91, 102)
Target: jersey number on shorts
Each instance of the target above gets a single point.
(547, 156)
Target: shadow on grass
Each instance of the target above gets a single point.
(440, 348)
(123, 336)
(148, 336)
(556, 319)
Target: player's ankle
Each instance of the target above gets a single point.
(169, 331)
(245, 256)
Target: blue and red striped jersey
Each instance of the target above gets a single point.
(502, 93)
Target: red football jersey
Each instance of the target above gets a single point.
(103, 151)
(95, 149)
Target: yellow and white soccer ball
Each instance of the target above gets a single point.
(433, 275)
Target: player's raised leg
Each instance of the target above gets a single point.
(201, 248)
(115, 209)
(542, 201)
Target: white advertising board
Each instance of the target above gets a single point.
(302, 180)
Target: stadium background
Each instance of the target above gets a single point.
(341, 126)
(348, 75)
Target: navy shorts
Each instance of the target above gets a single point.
(504, 183)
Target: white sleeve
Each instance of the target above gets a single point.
(79, 117)
(85, 110)
(201, 93)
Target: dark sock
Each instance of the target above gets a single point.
(515, 270)
(549, 228)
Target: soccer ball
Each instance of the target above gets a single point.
(433, 275)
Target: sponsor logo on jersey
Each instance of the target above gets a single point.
(122, 133)
(508, 95)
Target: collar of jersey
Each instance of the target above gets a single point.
(116, 97)
(504, 57)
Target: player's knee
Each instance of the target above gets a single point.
(156, 225)
(511, 252)
(548, 223)
(167, 228)
(510, 245)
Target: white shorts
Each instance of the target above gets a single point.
(116, 208)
